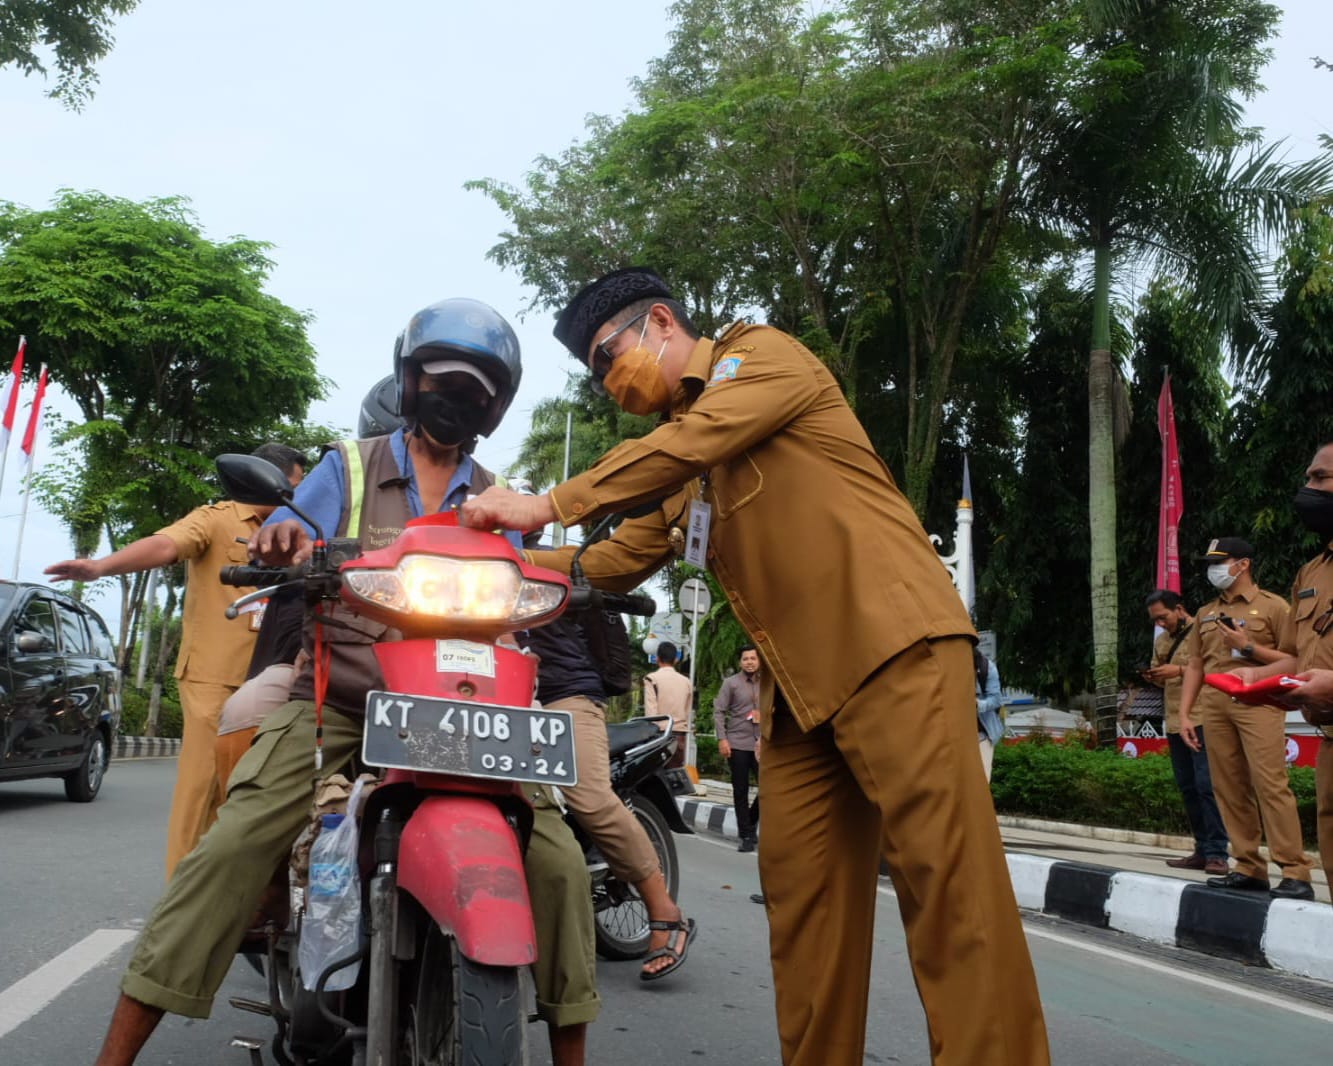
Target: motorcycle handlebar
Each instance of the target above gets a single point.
(258, 576)
(583, 598)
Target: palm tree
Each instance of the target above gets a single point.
(1147, 162)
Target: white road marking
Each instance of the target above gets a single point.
(1310, 1011)
(28, 995)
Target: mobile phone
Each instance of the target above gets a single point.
(1230, 623)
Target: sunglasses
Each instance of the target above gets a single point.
(602, 358)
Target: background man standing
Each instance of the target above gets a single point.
(1247, 745)
(1190, 766)
(667, 691)
(215, 652)
(736, 717)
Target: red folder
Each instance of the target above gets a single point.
(1269, 691)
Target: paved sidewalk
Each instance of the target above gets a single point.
(1118, 879)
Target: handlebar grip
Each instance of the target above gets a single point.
(582, 598)
(257, 576)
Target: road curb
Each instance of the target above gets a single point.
(146, 747)
(1292, 937)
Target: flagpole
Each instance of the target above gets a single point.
(29, 448)
(23, 516)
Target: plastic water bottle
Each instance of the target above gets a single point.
(331, 926)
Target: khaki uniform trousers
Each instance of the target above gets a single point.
(192, 935)
(1323, 777)
(197, 795)
(1247, 761)
(617, 833)
(896, 770)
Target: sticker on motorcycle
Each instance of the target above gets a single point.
(464, 657)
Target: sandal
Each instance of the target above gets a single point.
(675, 949)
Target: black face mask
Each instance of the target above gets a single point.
(1314, 507)
(448, 419)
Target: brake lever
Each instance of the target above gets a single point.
(234, 608)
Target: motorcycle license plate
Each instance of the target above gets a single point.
(441, 736)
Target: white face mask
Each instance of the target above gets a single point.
(1221, 577)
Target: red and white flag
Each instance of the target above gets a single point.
(34, 420)
(10, 402)
(1172, 505)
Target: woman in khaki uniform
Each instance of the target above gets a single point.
(871, 747)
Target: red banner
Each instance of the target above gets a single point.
(1302, 750)
(1173, 499)
(34, 418)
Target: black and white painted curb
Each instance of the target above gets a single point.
(1285, 935)
(145, 748)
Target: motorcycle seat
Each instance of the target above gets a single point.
(621, 736)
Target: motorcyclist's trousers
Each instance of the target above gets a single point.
(617, 833)
(191, 938)
(894, 772)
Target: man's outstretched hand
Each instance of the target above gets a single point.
(284, 543)
(498, 508)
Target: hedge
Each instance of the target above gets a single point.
(1039, 778)
(134, 713)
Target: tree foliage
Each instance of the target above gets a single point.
(76, 32)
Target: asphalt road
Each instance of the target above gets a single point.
(76, 881)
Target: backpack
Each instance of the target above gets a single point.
(608, 643)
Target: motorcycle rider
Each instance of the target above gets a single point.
(457, 368)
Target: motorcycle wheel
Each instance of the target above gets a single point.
(459, 1012)
(622, 929)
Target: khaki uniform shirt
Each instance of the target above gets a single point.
(1261, 615)
(1162, 654)
(668, 691)
(1311, 603)
(213, 647)
(821, 557)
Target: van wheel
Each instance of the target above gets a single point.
(83, 784)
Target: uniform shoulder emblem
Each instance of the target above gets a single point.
(725, 369)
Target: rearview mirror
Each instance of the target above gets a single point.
(249, 479)
(30, 642)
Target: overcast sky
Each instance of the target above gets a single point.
(343, 132)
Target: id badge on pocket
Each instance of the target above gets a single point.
(696, 540)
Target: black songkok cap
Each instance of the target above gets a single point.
(584, 315)
(1227, 548)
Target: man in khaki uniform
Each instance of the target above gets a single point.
(871, 745)
(1247, 745)
(1189, 766)
(667, 691)
(215, 651)
(1307, 639)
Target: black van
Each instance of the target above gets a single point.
(59, 689)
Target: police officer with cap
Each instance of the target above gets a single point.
(1247, 745)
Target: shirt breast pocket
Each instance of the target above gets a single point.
(1304, 610)
(736, 484)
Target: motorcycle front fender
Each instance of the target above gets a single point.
(460, 859)
(654, 789)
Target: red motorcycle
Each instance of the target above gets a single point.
(447, 926)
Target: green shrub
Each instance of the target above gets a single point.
(710, 762)
(1069, 783)
(134, 713)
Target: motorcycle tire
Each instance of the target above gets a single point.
(622, 930)
(458, 1012)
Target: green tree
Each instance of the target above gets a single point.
(167, 343)
(1147, 160)
(78, 32)
(852, 176)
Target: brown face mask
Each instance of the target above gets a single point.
(635, 381)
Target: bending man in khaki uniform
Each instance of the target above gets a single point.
(1247, 746)
(871, 748)
(215, 652)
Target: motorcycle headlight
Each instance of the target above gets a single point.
(481, 590)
